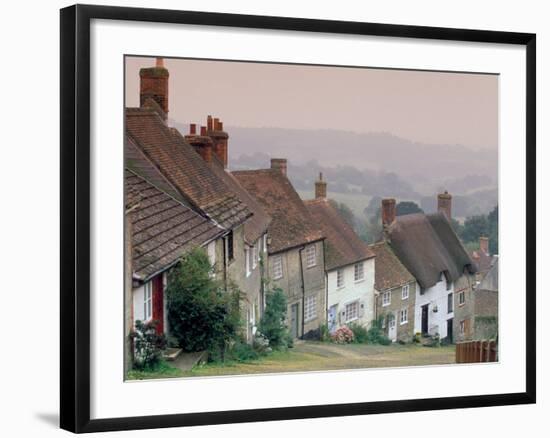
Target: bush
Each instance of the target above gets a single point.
(201, 315)
(343, 335)
(375, 334)
(360, 333)
(324, 333)
(243, 352)
(148, 346)
(261, 343)
(273, 322)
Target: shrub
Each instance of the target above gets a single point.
(324, 333)
(201, 315)
(343, 335)
(375, 334)
(243, 352)
(273, 322)
(148, 346)
(360, 333)
(261, 343)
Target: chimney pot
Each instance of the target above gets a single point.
(209, 123)
(279, 164)
(444, 204)
(159, 62)
(388, 211)
(193, 128)
(320, 188)
(203, 130)
(216, 124)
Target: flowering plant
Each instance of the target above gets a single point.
(343, 335)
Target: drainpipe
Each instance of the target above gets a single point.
(303, 290)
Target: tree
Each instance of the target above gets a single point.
(474, 227)
(493, 230)
(345, 212)
(373, 206)
(201, 315)
(273, 322)
(407, 207)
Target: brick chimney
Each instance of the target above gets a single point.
(219, 139)
(388, 211)
(320, 188)
(484, 244)
(444, 202)
(279, 164)
(201, 143)
(154, 85)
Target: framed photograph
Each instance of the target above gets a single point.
(267, 218)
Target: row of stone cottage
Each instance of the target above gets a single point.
(179, 195)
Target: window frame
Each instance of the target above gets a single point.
(309, 302)
(340, 275)
(384, 303)
(346, 306)
(278, 261)
(461, 298)
(403, 289)
(362, 264)
(403, 312)
(313, 262)
(148, 302)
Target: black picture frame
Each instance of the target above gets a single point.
(75, 217)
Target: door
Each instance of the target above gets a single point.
(425, 319)
(450, 330)
(158, 303)
(332, 316)
(294, 320)
(392, 327)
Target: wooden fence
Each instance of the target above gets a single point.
(476, 351)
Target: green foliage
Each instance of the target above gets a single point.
(148, 346)
(360, 333)
(324, 333)
(345, 212)
(481, 225)
(243, 352)
(407, 207)
(273, 322)
(375, 334)
(201, 315)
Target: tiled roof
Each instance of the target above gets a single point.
(184, 168)
(291, 223)
(428, 246)
(163, 227)
(255, 226)
(389, 272)
(482, 260)
(342, 245)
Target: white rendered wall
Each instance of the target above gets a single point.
(351, 291)
(434, 296)
(138, 296)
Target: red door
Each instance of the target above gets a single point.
(158, 303)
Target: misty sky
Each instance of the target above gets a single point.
(430, 107)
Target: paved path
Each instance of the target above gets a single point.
(186, 361)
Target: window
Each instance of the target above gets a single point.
(461, 298)
(310, 308)
(148, 301)
(386, 298)
(340, 278)
(230, 253)
(352, 311)
(450, 303)
(277, 267)
(311, 259)
(265, 242)
(403, 316)
(359, 272)
(247, 260)
(405, 292)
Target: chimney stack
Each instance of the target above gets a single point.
(388, 211)
(279, 164)
(444, 202)
(320, 188)
(484, 245)
(154, 85)
(201, 143)
(219, 139)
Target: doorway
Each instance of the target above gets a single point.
(392, 327)
(425, 319)
(450, 330)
